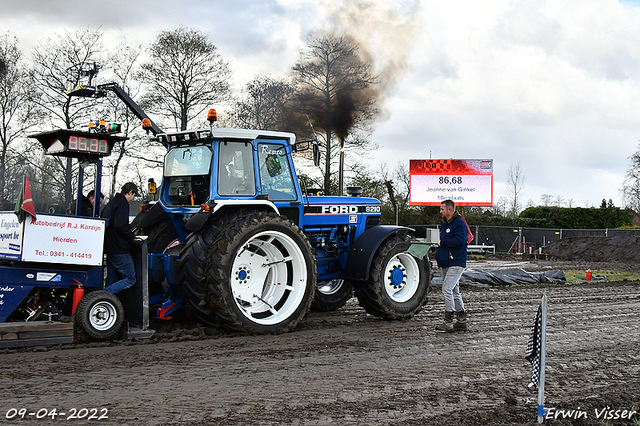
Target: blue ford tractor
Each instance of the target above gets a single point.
(253, 252)
(233, 239)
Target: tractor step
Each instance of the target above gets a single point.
(37, 333)
(139, 333)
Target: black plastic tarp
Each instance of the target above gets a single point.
(511, 276)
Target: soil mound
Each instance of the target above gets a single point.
(619, 248)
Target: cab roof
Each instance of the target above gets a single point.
(192, 136)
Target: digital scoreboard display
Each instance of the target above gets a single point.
(88, 145)
(466, 182)
(75, 143)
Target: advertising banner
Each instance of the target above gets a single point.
(10, 236)
(64, 239)
(466, 182)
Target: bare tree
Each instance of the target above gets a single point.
(61, 64)
(184, 76)
(631, 185)
(124, 65)
(499, 207)
(369, 180)
(530, 203)
(264, 105)
(398, 186)
(515, 180)
(336, 89)
(16, 107)
(44, 176)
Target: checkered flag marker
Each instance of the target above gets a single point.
(536, 349)
(533, 349)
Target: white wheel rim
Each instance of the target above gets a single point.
(269, 278)
(401, 277)
(103, 316)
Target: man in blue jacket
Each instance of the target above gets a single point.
(121, 273)
(451, 256)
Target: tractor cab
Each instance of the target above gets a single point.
(221, 167)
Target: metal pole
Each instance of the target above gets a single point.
(521, 241)
(80, 185)
(543, 348)
(97, 189)
(341, 169)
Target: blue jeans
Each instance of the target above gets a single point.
(121, 274)
(451, 288)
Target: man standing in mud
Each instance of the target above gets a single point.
(451, 257)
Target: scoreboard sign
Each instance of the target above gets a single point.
(466, 182)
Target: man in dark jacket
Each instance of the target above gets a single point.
(88, 202)
(121, 273)
(451, 256)
(91, 196)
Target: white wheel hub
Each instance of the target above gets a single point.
(402, 277)
(269, 277)
(103, 316)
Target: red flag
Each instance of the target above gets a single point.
(470, 236)
(25, 203)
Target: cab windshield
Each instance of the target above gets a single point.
(188, 161)
(186, 171)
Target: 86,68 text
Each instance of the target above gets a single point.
(453, 180)
(69, 414)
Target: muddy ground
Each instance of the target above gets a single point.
(608, 249)
(348, 368)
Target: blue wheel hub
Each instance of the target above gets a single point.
(242, 275)
(397, 277)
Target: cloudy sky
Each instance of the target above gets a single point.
(552, 85)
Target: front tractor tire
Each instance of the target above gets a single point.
(99, 315)
(398, 282)
(261, 274)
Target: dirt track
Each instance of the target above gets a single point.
(348, 368)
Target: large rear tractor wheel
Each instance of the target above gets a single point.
(332, 295)
(193, 267)
(99, 315)
(261, 274)
(398, 282)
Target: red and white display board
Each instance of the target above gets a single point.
(466, 182)
(63, 240)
